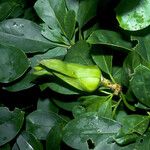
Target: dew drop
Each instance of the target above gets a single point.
(15, 24)
(99, 131)
(21, 25)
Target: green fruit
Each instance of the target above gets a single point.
(85, 78)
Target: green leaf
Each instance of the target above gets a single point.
(23, 34)
(54, 137)
(10, 124)
(117, 74)
(78, 110)
(66, 105)
(120, 115)
(141, 106)
(100, 104)
(143, 46)
(15, 147)
(135, 124)
(5, 147)
(90, 30)
(87, 10)
(51, 12)
(27, 141)
(130, 63)
(69, 24)
(57, 85)
(133, 16)
(54, 36)
(11, 9)
(89, 127)
(142, 143)
(73, 5)
(59, 8)
(126, 139)
(132, 125)
(103, 61)
(6, 9)
(79, 53)
(62, 22)
(109, 38)
(40, 122)
(13, 63)
(58, 52)
(140, 84)
(62, 88)
(23, 83)
(46, 105)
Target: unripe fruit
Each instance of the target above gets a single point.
(85, 78)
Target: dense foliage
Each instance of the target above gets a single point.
(74, 74)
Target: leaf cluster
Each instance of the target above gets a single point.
(91, 82)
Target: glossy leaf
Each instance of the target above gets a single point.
(126, 139)
(58, 52)
(117, 74)
(54, 137)
(23, 34)
(23, 83)
(39, 123)
(27, 141)
(46, 105)
(54, 35)
(78, 110)
(100, 104)
(143, 46)
(10, 124)
(130, 63)
(109, 38)
(103, 61)
(6, 9)
(141, 106)
(88, 127)
(140, 84)
(54, 13)
(15, 147)
(143, 142)
(62, 88)
(89, 31)
(132, 125)
(69, 24)
(135, 124)
(79, 53)
(72, 5)
(13, 63)
(133, 16)
(120, 115)
(50, 10)
(84, 16)
(66, 105)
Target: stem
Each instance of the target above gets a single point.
(113, 86)
(105, 92)
(111, 77)
(80, 35)
(126, 103)
(63, 45)
(115, 108)
(117, 91)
